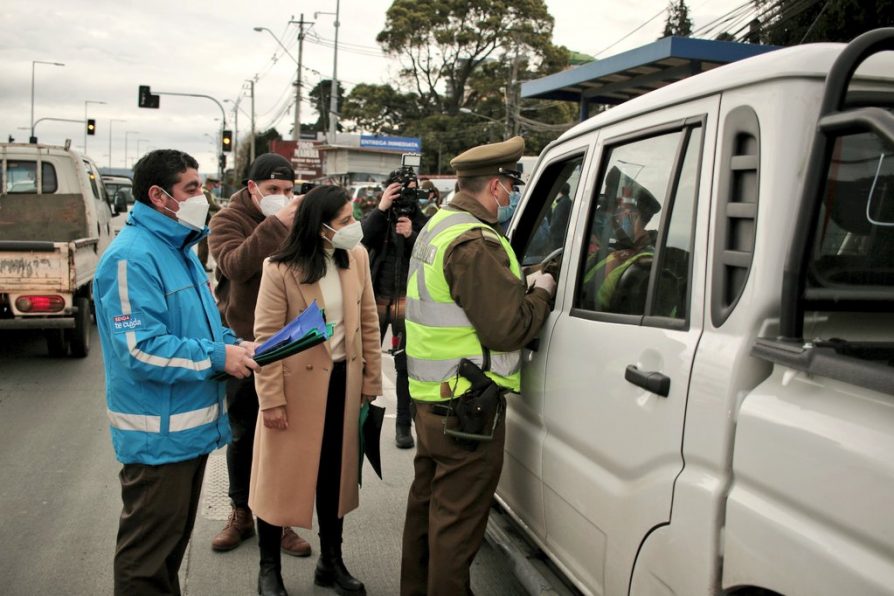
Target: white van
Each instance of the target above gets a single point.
(709, 408)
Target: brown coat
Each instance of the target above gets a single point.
(241, 238)
(285, 462)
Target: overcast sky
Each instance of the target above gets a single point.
(110, 47)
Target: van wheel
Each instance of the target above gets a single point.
(80, 338)
(57, 343)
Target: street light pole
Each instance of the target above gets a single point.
(138, 147)
(127, 134)
(110, 138)
(88, 101)
(223, 120)
(33, 139)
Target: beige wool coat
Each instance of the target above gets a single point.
(285, 462)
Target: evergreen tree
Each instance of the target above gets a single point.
(678, 21)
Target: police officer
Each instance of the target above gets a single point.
(211, 183)
(466, 297)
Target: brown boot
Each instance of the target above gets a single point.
(240, 526)
(293, 544)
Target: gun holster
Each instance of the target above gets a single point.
(478, 410)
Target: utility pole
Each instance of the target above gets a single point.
(333, 100)
(251, 82)
(236, 133)
(512, 98)
(297, 128)
(333, 93)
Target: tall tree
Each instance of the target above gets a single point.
(320, 95)
(380, 109)
(678, 21)
(243, 157)
(791, 22)
(442, 42)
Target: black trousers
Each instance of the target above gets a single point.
(157, 517)
(329, 473)
(242, 406)
(391, 312)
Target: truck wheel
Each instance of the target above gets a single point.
(57, 343)
(80, 338)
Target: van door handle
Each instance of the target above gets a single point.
(655, 382)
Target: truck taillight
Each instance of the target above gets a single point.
(50, 303)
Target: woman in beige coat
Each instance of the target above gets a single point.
(306, 446)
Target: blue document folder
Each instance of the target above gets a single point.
(310, 320)
(304, 331)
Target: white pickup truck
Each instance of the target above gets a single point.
(55, 222)
(710, 406)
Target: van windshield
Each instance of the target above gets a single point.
(855, 230)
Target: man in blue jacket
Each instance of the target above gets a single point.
(162, 341)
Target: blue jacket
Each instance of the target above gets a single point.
(162, 340)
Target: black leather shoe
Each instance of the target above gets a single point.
(403, 439)
(270, 582)
(332, 573)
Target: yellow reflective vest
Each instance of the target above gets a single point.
(439, 333)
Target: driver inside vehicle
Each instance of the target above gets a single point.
(631, 243)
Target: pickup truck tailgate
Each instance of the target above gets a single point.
(34, 266)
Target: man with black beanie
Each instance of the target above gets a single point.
(249, 230)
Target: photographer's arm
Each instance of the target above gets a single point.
(375, 226)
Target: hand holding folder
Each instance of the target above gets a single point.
(305, 331)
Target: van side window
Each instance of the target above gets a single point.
(91, 176)
(639, 237)
(21, 177)
(855, 230)
(555, 191)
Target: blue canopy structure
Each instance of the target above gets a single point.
(630, 74)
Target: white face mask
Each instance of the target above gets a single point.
(271, 204)
(192, 212)
(347, 237)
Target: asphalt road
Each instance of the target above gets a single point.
(59, 495)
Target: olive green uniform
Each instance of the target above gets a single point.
(451, 495)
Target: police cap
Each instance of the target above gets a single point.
(270, 166)
(643, 200)
(495, 159)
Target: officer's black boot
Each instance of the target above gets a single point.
(270, 575)
(331, 571)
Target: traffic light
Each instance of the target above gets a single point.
(91, 126)
(146, 99)
(226, 140)
(222, 162)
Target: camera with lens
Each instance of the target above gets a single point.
(408, 200)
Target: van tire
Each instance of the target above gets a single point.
(80, 337)
(57, 343)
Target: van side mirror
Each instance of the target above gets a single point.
(120, 204)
